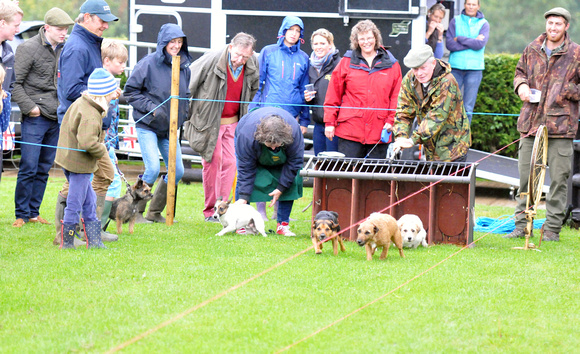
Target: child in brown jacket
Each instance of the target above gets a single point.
(78, 151)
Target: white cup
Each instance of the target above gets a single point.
(535, 95)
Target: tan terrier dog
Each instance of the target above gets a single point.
(325, 226)
(379, 230)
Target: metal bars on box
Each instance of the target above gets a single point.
(442, 194)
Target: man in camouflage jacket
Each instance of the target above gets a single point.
(550, 64)
(430, 93)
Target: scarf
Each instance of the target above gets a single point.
(319, 63)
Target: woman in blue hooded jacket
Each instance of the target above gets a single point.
(284, 76)
(284, 72)
(148, 86)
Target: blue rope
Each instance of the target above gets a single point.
(248, 102)
(502, 225)
(322, 106)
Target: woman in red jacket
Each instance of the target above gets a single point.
(362, 94)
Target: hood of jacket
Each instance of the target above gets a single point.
(288, 22)
(168, 32)
(479, 14)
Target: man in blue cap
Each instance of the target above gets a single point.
(80, 56)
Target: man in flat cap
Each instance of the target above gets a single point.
(80, 57)
(430, 94)
(550, 65)
(35, 92)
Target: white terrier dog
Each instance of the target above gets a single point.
(235, 216)
(412, 231)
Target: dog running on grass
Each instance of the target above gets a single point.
(412, 231)
(124, 209)
(379, 230)
(325, 226)
(235, 216)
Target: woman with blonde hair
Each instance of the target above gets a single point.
(324, 58)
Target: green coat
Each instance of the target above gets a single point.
(36, 73)
(443, 127)
(81, 128)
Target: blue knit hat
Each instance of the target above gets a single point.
(101, 83)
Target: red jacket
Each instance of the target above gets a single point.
(354, 84)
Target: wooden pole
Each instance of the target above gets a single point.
(173, 116)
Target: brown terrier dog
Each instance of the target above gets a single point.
(325, 226)
(124, 209)
(378, 230)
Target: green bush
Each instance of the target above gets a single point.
(496, 95)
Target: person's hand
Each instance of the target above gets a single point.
(241, 201)
(304, 130)
(275, 195)
(117, 93)
(524, 92)
(388, 127)
(481, 37)
(4, 94)
(329, 132)
(35, 112)
(309, 95)
(402, 143)
(431, 26)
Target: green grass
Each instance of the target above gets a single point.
(489, 298)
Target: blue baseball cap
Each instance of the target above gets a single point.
(99, 8)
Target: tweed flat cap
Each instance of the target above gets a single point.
(558, 11)
(418, 56)
(57, 17)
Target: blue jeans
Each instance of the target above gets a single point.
(284, 210)
(81, 198)
(468, 81)
(35, 163)
(321, 142)
(150, 145)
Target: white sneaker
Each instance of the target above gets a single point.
(284, 229)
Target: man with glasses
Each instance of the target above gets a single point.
(222, 82)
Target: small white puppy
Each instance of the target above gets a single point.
(235, 216)
(412, 231)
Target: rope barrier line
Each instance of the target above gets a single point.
(384, 295)
(248, 102)
(258, 275)
(204, 303)
(323, 106)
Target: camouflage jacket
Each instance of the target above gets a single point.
(558, 79)
(443, 127)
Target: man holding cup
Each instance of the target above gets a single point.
(550, 64)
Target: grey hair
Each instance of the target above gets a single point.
(274, 130)
(244, 40)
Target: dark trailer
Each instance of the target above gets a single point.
(211, 23)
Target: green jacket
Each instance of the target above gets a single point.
(209, 86)
(36, 71)
(81, 128)
(443, 127)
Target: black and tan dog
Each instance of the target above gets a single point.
(124, 209)
(325, 226)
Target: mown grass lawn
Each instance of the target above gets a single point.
(489, 298)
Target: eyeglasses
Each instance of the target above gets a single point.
(368, 39)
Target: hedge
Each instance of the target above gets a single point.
(496, 95)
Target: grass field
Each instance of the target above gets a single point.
(182, 289)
